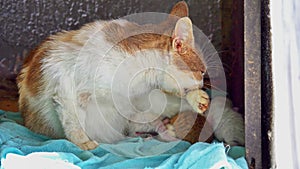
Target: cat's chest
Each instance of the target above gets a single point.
(120, 72)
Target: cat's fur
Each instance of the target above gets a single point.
(192, 127)
(65, 83)
(228, 125)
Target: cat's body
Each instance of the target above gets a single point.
(80, 84)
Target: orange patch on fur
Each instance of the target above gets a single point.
(29, 79)
(198, 75)
(189, 125)
(187, 59)
(33, 122)
(132, 37)
(68, 37)
(180, 9)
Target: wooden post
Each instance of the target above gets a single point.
(252, 49)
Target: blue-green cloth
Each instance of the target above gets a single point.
(21, 148)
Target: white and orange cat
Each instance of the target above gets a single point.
(96, 84)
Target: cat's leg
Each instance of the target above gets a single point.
(69, 109)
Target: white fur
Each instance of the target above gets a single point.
(228, 125)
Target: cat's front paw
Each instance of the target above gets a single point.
(89, 145)
(199, 100)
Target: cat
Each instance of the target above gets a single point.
(74, 85)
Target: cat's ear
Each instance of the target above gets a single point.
(180, 9)
(183, 34)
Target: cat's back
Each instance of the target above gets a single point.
(65, 50)
(52, 63)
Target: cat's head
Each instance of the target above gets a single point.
(186, 65)
(183, 64)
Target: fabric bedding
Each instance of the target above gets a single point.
(21, 148)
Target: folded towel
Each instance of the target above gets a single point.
(21, 148)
